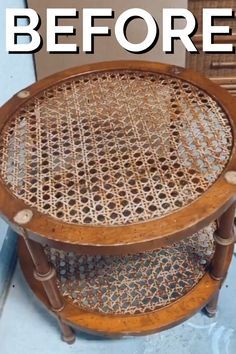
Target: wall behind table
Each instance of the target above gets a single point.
(106, 48)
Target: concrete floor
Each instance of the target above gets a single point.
(26, 328)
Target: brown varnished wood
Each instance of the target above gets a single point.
(226, 232)
(67, 334)
(220, 264)
(136, 242)
(118, 325)
(45, 275)
(211, 307)
(42, 270)
(217, 202)
(134, 237)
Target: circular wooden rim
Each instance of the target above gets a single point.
(117, 325)
(177, 225)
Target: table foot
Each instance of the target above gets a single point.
(209, 313)
(211, 307)
(67, 333)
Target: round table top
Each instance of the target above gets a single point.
(116, 145)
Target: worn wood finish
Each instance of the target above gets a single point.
(216, 202)
(118, 325)
(211, 307)
(67, 334)
(133, 237)
(45, 275)
(224, 238)
(221, 263)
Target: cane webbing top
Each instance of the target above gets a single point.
(115, 147)
(137, 283)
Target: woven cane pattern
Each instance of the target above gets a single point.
(115, 148)
(136, 283)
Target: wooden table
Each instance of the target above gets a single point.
(121, 179)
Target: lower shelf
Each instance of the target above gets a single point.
(131, 295)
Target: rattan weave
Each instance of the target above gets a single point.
(115, 148)
(137, 283)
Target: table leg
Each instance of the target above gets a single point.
(224, 237)
(211, 307)
(67, 334)
(45, 273)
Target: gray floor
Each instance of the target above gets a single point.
(26, 328)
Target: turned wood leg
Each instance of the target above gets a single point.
(45, 273)
(224, 238)
(211, 307)
(67, 334)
